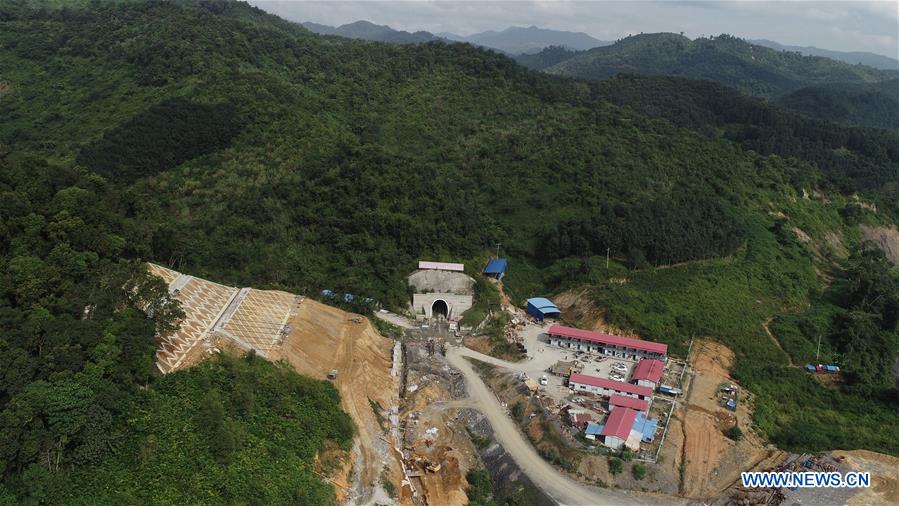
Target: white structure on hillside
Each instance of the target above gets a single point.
(440, 290)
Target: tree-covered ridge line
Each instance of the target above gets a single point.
(818, 87)
(755, 69)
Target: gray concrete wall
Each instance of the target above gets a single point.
(441, 282)
(457, 304)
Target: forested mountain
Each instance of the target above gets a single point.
(369, 31)
(250, 151)
(757, 70)
(546, 58)
(875, 60)
(529, 39)
(869, 104)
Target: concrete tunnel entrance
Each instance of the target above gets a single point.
(440, 310)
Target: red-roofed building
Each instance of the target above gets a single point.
(648, 373)
(620, 401)
(607, 344)
(618, 427)
(579, 419)
(602, 386)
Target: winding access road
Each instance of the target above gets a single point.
(561, 488)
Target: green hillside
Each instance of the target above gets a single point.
(869, 104)
(245, 150)
(757, 70)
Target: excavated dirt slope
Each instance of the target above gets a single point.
(712, 461)
(325, 338)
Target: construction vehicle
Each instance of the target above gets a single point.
(433, 467)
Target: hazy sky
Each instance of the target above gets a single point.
(839, 25)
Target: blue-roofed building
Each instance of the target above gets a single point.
(810, 368)
(593, 430)
(541, 308)
(646, 427)
(496, 268)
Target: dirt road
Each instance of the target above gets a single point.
(560, 487)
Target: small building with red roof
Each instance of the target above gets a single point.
(648, 373)
(618, 427)
(579, 419)
(620, 401)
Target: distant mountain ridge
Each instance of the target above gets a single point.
(369, 31)
(531, 39)
(514, 40)
(875, 60)
(732, 61)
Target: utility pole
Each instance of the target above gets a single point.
(818, 351)
(607, 257)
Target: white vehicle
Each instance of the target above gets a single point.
(544, 380)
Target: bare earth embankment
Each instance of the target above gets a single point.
(323, 338)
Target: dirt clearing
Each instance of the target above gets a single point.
(711, 460)
(884, 471)
(324, 338)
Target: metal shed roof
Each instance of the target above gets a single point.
(495, 266)
(646, 427)
(599, 337)
(649, 370)
(544, 305)
(628, 402)
(594, 429)
(618, 386)
(620, 423)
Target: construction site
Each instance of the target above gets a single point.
(316, 340)
(429, 409)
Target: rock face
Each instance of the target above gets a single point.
(431, 280)
(885, 238)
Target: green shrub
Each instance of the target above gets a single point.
(638, 470)
(615, 465)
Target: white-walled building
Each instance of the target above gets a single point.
(648, 373)
(606, 344)
(602, 386)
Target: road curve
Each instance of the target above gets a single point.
(561, 488)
